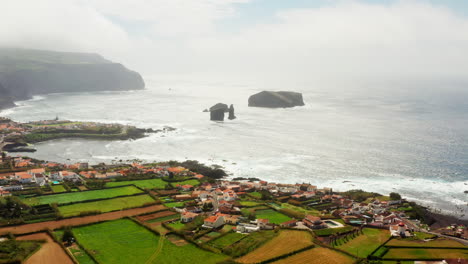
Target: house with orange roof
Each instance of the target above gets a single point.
(187, 217)
(70, 176)
(199, 176)
(214, 221)
(25, 177)
(34, 171)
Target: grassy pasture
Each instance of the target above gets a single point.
(249, 203)
(58, 188)
(272, 215)
(226, 240)
(300, 209)
(249, 243)
(105, 205)
(192, 182)
(81, 196)
(144, 184)
(363, 245)
(287, 241)
(426, 253)
(317, 255)
(124, 241)
(439, 242)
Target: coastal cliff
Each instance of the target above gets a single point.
(25, 73)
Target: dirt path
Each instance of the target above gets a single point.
(28, 228)
(158, 250)
(49, 253)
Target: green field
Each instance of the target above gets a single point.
(272, 215)
(426, 253)
(300, 209)
(81, 256)
(105, 205)
(58, 188)
(177, 225)
(81, 196)
(249, 203)
(164, 218)
(124, 241)
(409, 242)
(363, 245)
(187, 182)
(226, 240)
(256, 195)
(331, 231)
(174, 204)
(144, 184)
(249, 243)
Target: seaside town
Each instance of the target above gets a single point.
(181, 209)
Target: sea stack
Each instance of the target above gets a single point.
(217, 112)
(231, 113)
(279, 99)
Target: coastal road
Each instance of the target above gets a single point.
(416, 228)
(29, 228)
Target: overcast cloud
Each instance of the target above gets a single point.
(341, 40)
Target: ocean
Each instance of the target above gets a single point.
(414, 142)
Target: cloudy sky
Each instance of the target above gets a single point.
(293, 38)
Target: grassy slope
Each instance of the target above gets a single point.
(363, 245)
(150, 184)
(274, 216)
(82, 196)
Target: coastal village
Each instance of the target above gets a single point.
(189, 209)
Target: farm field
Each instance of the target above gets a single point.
(426, 253)
(317, 255)
(82, 196)
(80, 255)
(363, 245)
(58, 188)
(105, 205)
(157, 215)
(226, 240)
(272, 215)
(249, 243)
(50, 252)
(439, 242)
(187, 182)
(286, 242)
(300, 209)
(249, 203)
(57, 224)
(124, 241)
(144, 184)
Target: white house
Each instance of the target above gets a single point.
(214, 221)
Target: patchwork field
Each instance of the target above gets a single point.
(425, 253)
(286, 242)
(82, 196)
(80, 255)
(144, 184)
(105, 205)
(363, 245)
(317, 255)
(272, 215)
(124, 241)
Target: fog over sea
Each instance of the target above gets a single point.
(412, 141)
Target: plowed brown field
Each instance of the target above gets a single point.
(49, 253)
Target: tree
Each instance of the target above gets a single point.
(68, 236)
(395, 196)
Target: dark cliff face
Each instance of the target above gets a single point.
(24, 73)
(276, 99)
(5, 99)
